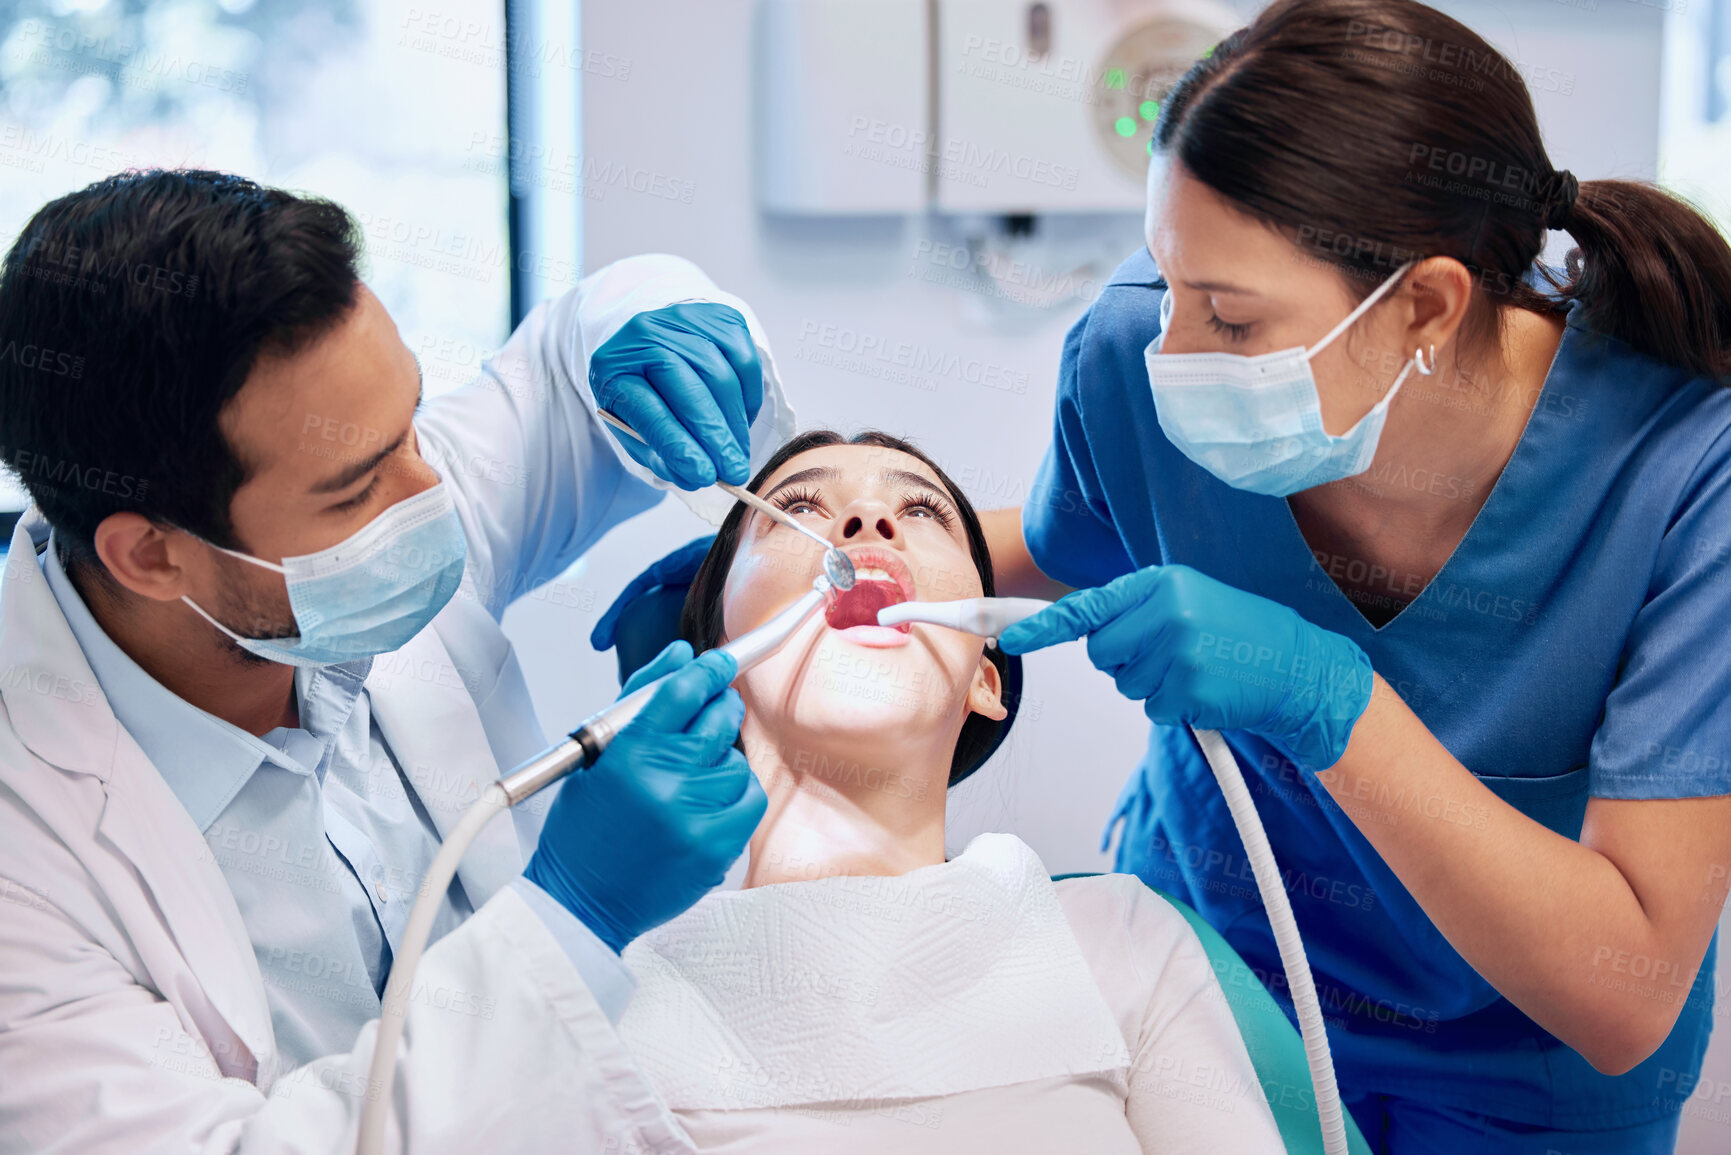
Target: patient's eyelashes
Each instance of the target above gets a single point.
(915, 502)
(937, 510)
(798, 501)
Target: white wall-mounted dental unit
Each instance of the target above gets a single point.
(870, 107)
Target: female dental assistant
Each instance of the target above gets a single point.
(1444, 556)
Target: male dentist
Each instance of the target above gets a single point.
(251, 673)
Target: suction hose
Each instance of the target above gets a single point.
(1298, 978)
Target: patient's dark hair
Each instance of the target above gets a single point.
(701, 621)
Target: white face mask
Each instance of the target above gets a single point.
(1256, 422)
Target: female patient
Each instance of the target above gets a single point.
(861, 993)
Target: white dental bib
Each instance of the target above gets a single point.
(948, 979)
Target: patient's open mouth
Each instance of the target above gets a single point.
(860, 605)
(880, 579)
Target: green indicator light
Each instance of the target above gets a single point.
(1150, 110)
(1114, 78)
(1126, 126)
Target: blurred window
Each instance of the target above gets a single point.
(397, 112)
(1695, 105)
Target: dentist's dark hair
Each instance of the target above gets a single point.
(145, 300)
(1375, 131)
(701, 621)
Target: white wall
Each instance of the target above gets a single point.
(682, 113)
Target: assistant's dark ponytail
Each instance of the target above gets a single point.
(1373, 132)
(1652, 271)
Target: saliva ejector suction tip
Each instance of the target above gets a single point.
(838, 568)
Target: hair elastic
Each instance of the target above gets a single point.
(1564, 189)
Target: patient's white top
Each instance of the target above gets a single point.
(970, 1006)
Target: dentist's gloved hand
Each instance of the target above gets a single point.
(645, 616)
(653, 825)
(688, 378)
(1196, 650)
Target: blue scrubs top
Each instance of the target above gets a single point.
(1574, 645)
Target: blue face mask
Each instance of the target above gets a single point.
(370, 593)
(1256, 422)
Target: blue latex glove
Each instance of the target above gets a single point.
(687, 377)
(1196, 650)
(652, 827)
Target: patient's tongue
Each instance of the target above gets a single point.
(860, 605)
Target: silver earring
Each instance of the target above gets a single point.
(1418, 360)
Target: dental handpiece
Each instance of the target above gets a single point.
(580, 749)
(987, 617)
(595, 733)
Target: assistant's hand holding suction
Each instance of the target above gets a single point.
(986, 617)
(1197, 650)
(654, 824)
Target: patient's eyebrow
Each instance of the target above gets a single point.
(815, 473)
(909, 477)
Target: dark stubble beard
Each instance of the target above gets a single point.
(250, 614)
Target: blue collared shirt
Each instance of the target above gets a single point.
(319, 837)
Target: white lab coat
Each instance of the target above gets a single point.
(132, 1014)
